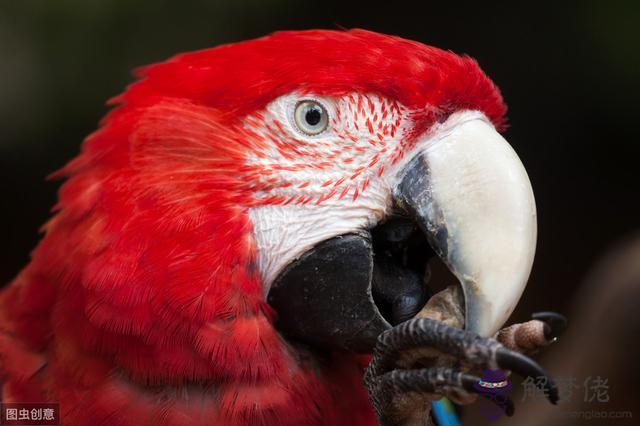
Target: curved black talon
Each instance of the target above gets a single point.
(525, 366)
(555, 324)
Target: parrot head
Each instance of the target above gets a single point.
(316, 171)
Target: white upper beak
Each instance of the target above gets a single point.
(477, 208)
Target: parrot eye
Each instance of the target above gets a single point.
(311, 117)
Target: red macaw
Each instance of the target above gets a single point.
(250, 218)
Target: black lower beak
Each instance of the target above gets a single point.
(347, 290)
(325, 298)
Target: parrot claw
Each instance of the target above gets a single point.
(400, 394)
(554, 324)
(528, 337)
(389, 373)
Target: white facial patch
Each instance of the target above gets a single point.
(318, 187)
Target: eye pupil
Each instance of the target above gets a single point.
(313, 115)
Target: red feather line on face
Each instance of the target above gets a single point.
(146, 277)
(288, 169)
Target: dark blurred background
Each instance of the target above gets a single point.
(569, 71)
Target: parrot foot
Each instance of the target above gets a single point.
(396, 387)
(401, 397)
(528, 337)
